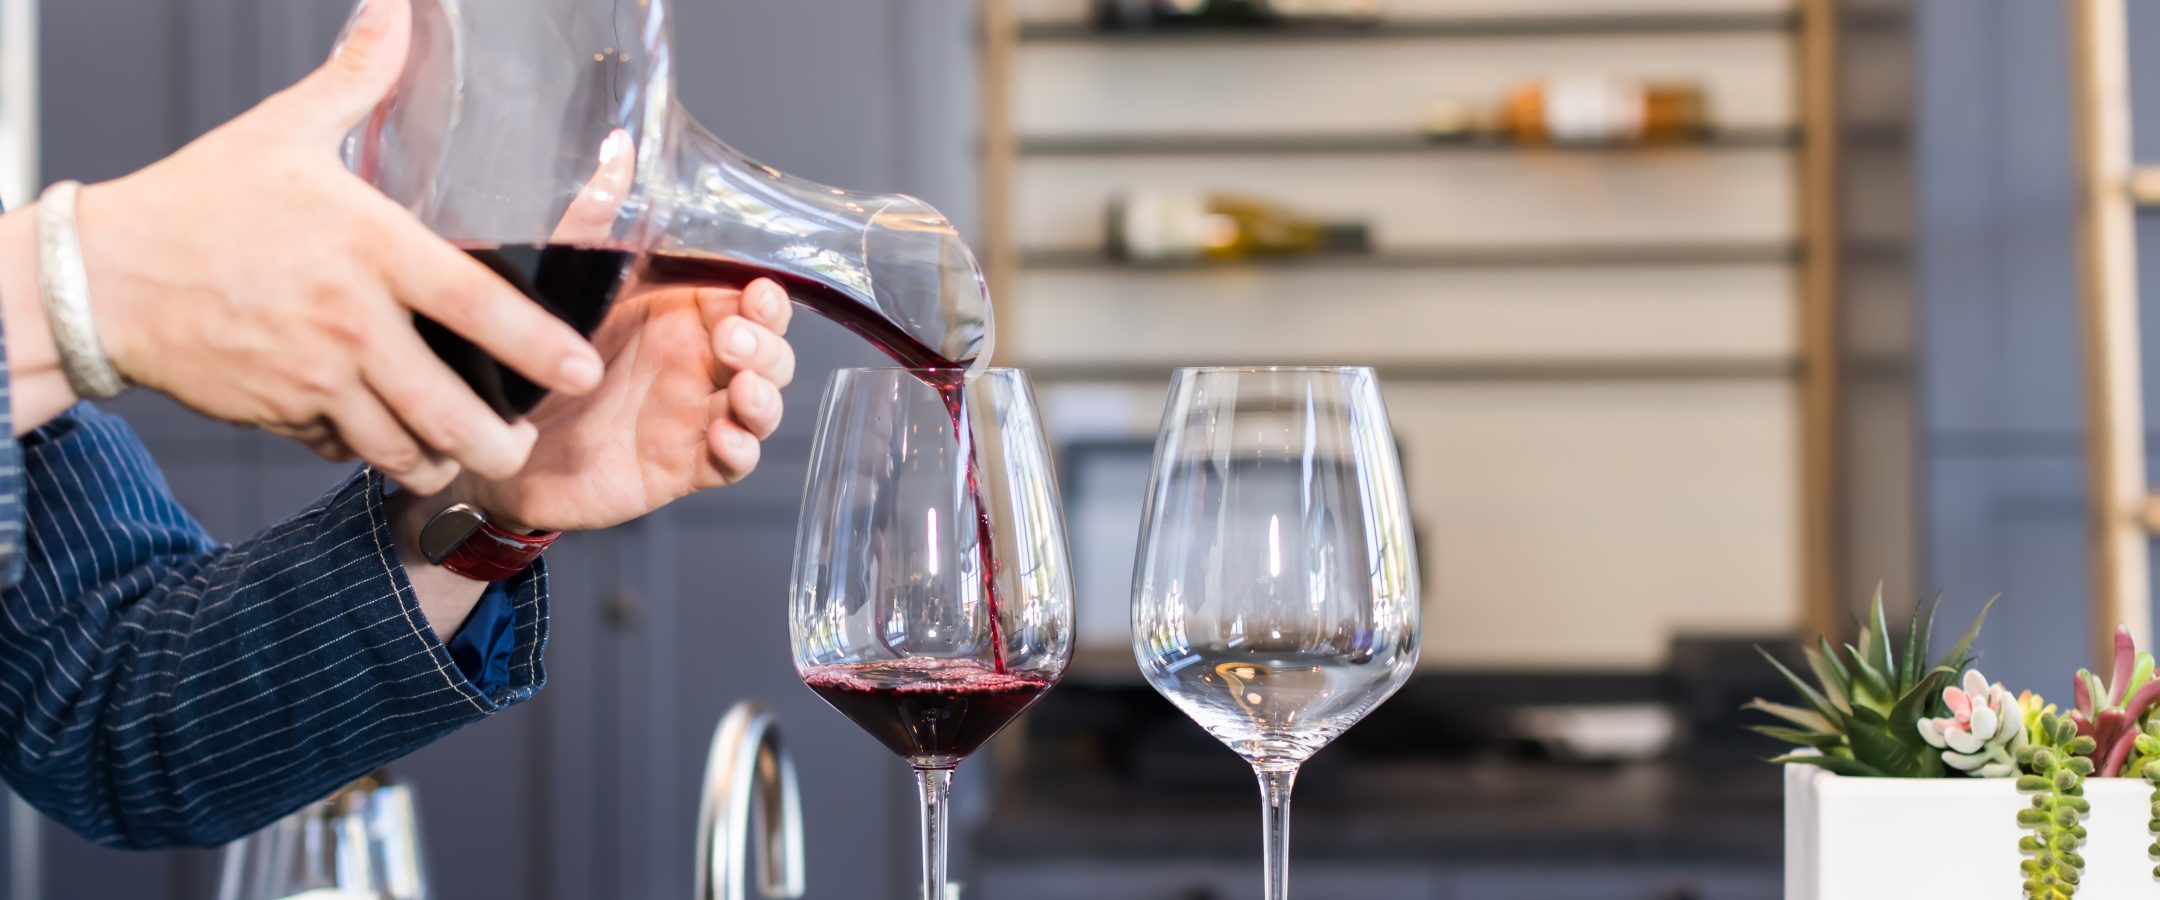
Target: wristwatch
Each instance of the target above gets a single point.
(461, 539)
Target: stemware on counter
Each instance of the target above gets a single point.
(1275, 596)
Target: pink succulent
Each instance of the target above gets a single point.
(1985, 729)
(2109, 712)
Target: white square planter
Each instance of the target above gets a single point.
(1907, 838)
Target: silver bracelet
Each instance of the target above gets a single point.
(65, 284)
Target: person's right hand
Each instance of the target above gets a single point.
(254, 279)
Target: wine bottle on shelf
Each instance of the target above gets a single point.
(1171, 226)
(1145, 15)
(1598, 111)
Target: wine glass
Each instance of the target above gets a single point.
(361, 843)
(1275, 600)
(932, 599)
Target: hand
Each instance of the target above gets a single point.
(681, 409)
(255, 280)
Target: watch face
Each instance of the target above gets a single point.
(449, 530)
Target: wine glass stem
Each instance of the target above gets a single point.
(935, 787)
(1275, 783)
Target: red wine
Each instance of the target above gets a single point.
(927, 710)
(577, 284)
(663, 269)
(944, 375)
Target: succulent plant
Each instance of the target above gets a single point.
(1863, 711)
(2112, 712)
(1985, 729)
(2146, 765)
(2056, 761)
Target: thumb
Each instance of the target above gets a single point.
(366, 63)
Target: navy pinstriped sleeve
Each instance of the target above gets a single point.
(158, 689)
(11, 478)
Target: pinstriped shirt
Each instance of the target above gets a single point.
(158, 688)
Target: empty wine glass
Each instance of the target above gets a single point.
(932, 598)
(1275, 600)
(361, 843)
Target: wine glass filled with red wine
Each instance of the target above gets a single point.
(932, 598)
(544, 137)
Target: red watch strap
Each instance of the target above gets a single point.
(493, 554)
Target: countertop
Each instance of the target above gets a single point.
(1480, 811)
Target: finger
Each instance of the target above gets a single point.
(766, 303)
(368, 427)
(591, 217)
(733, 452)
(367, 63)
(747, 346)
(332, 449)
(437, 280)
(317, 435)
(755, 403)
(439, 409)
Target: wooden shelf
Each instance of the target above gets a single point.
(1526, 370)
(1373, 143)
(1449, 27)
(1485, 258)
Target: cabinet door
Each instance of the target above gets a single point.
(714, 577)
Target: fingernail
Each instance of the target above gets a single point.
(767, 395)
(768, 300)
(618, 143)
(742, 343)
(581, 371)
(352, 24)
(737, 441)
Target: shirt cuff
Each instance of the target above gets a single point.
(505, 634)
(484, 647)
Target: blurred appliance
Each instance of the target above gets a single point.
(363, 843)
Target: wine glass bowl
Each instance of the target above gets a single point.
(1275, 598)
(932, 595)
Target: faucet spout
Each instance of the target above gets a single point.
(751, 797)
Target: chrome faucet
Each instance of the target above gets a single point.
(749, 784)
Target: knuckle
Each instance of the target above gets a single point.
(458, 300)
(402, 459)
(447, 433)
(336, 314)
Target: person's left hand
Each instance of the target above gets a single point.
(682, 408)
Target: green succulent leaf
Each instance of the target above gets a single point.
(1870, 688)
(1871, 636)
(1873, 743)
(1798, 738)
(1881, 647)
(1960, 655)
(1804, 718)
(1830, 674)
(1917, 634)
(1814, 698)
(1918, 702)
(1851, 768)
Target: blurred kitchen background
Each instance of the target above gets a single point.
(1680, 383)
